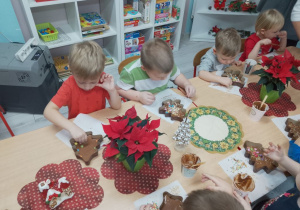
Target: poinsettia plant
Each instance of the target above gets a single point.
(132, 138)
(278, 71)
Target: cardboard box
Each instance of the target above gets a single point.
(144, 9)
(132, 54)
(134, 41)
(133, 49)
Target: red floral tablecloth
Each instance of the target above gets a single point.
(144, 181)
(279, 109)
(294, 84)
(83, 181)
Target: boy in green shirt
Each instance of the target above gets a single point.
(142, 78)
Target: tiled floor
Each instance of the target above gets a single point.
(23, 122)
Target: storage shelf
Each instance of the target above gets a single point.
(213, 11)
(68, 31)
(33, 3)
(108, 33)
(141, 26)
(202, 37)
(172, 20)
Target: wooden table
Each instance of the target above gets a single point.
(22, 156)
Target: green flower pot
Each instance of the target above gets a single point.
(138, 165)
(273, 95)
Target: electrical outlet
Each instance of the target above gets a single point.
(25, 50)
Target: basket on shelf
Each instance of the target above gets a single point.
(47, 37)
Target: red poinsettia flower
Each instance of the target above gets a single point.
(216, 29)
(118, 129)
(131, 113)
(111, 149)
(140, 141)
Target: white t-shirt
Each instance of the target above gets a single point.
(295, 16)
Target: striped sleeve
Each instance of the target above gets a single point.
(126, 80)
(175, 73)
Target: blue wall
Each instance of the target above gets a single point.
(9, 26)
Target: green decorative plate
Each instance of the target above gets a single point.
(214, 129)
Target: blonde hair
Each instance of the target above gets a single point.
(157, 55)
(228, 42)
(269, 19)
(86, 60)
(210, 200)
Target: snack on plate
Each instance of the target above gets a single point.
(254, 151)
(170, 201)
(89, 149)
(293, 127)
(54, 193)
(236, 77)
(172, 109)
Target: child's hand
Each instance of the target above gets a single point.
(274, 152)
(282, 34)
(265, 41)
(78, 134)
(246, 203)
(190, 91)
(146, 98)
(220, 184)
(225, 81)
(237, 63)
(107, 82)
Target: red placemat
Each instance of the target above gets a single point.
(294, 84)
(83, 181)
(279, 109)
(144, 181)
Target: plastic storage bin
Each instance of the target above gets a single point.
(47, 37)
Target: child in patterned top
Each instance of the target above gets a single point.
(142, 78)
(219, 57)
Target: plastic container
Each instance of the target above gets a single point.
(47, 37)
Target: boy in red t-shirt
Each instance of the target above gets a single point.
(85, 91)
(267, 27)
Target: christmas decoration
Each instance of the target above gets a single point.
(182, 135)
(219, 4)
(239, 5)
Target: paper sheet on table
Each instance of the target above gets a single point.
(165, 95)
(86, 123)
(156, 197)
(232, 90)
(264, 183)
(280, 123)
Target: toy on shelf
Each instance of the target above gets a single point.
(133, 43)
(239, 5)
(92, 24)
(128, 9)
(182, 135)
(163, 9)
(165, 32)
(144, 9)
(47, 32)
(219, 4)
(175, 12)
(54, 193)
(214, 30)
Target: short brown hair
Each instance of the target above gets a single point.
(269, 19)
(157, 55)
(228, 42)
(211, 200)
(86, 59)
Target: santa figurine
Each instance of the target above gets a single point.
(219, 4)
